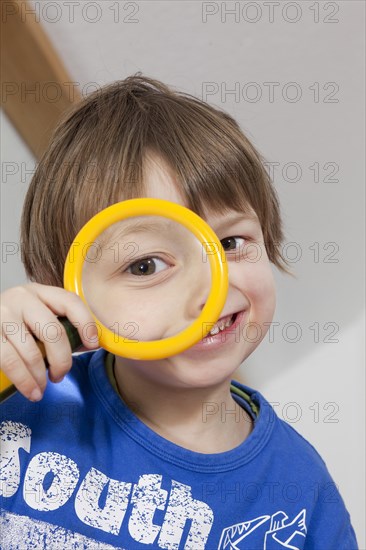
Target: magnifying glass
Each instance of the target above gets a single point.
(153, 275)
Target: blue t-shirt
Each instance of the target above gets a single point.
(80, 470)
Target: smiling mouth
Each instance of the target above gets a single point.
(223, 323)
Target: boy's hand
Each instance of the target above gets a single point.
(33, 309)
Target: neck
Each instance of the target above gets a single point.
(201, 419)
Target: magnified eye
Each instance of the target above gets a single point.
(232, 243)
(146, 266)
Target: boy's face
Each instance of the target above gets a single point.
(251, 294)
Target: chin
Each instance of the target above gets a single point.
(203, 374)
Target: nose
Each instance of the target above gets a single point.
(199, 289)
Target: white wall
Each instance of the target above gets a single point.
(17, 166)
(319, 384)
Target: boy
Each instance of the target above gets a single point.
(120, 453)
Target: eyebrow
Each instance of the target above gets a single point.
(239, 217)
(138, 226)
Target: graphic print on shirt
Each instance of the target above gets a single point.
(23, 532)
(278, 532)
(50, 482)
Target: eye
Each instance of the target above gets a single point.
(232, 243)
(146, 266)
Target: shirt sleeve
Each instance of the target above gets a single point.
(330, 527)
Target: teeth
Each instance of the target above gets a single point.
(221, 325)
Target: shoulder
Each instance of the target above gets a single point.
(60, 420)
(297, 476)
(284, 444)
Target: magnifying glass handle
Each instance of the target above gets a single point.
(7, 388)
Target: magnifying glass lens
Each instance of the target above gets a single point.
(146, 278)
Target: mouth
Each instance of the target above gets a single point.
(223, 323)
(224, 328)
(225, 332)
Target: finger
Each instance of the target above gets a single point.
(19, 336)
(48, 329)
(14, 368)
(70, 305)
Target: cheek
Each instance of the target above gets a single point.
(260, 288)
(135, 310)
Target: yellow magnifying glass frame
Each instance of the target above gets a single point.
(155, 349)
